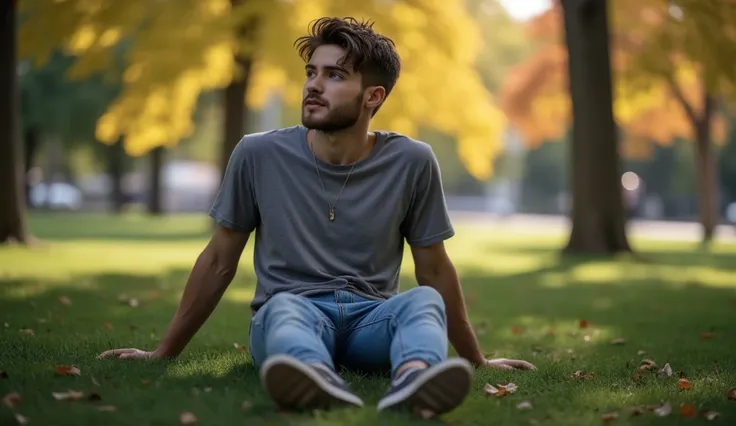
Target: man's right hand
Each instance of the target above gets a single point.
(129, 353)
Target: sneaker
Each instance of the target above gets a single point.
(437, 389)
(293, 384)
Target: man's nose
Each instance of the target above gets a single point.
(314, 85)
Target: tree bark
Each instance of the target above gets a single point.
(598, 214)
(116, 171)
(236, 112)
(155, 204)
(13, 226)
(705, 169)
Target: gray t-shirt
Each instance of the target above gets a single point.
(393, 195)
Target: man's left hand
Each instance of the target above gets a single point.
(509, 364)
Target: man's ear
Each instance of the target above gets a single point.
(374, 96)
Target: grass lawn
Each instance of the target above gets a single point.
(523, 299)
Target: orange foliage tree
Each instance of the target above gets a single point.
(672, 60)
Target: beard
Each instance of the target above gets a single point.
(334, 119)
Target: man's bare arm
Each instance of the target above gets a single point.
(434, 268)
(211, 275)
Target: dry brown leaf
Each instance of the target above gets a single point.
(12, 399)
(71, 395)
(106, 325)
(706, 335)
(21, 419)
(731, 394)
(26, 331)
(145, 382)
(107, 408)
(494, 391)
(187, 418)
(239, 347)
(666, 371)
(582, 375)
(647, 364)
(509, 387)
(67, 370)
(618, 341)
(687, 410)
(246, 405)
(65, 300)
(3, 374)
(607, 417)
(584, 324)
(517, 330)
(524, 405)
(663, 410)
(711, 415)
(684, 384)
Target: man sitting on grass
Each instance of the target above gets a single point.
(332, 205)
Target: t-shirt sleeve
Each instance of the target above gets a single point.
(235, 206)
(427, 221)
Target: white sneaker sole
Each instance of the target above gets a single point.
(439, 389)
(295, 385)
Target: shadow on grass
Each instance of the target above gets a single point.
(533, 315)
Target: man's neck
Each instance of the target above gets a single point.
(343, 147)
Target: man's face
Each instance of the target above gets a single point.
(333, 94)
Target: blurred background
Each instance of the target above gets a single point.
(136, 107)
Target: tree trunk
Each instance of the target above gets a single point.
(598, 215)
(705, 169)
(235, 109)
(13, 225)
(155, 205)
(116, 171)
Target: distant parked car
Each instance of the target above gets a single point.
(56, 196)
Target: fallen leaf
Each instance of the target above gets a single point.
(586, 338)
(510, 387)
(663, 410)
(133, 302)
(42, 320)
(67, 370)
(107, 408)
(706, 335)
(641, 352)
(21, 419)
(187, 418)
(582, 375)
(3, 374)
(524, 405)
(106, 325)
(687, 410)
(424, 414)
(239, 347)
(517, 330)
(65, 300)
(26, 331)
(6, 325)
(12, 399)
(618, 341)
(246, 405)
(68, 395)
(731, 394)
(607, 417)
(684, 384)
(666, 371)
(647, 364)
(584, 324)
(711, 415)
(494, 391)
(145, 382)
(95, 382)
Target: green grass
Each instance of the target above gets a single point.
(510, 281)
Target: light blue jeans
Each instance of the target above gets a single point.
(341, 329)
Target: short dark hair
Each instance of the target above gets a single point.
(371, 54)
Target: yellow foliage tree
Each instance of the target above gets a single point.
(175, 50)
(672, 61)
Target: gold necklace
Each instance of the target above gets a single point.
(319, 176)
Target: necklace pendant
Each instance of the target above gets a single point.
(332, 214)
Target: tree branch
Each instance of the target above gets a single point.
(677, 92)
